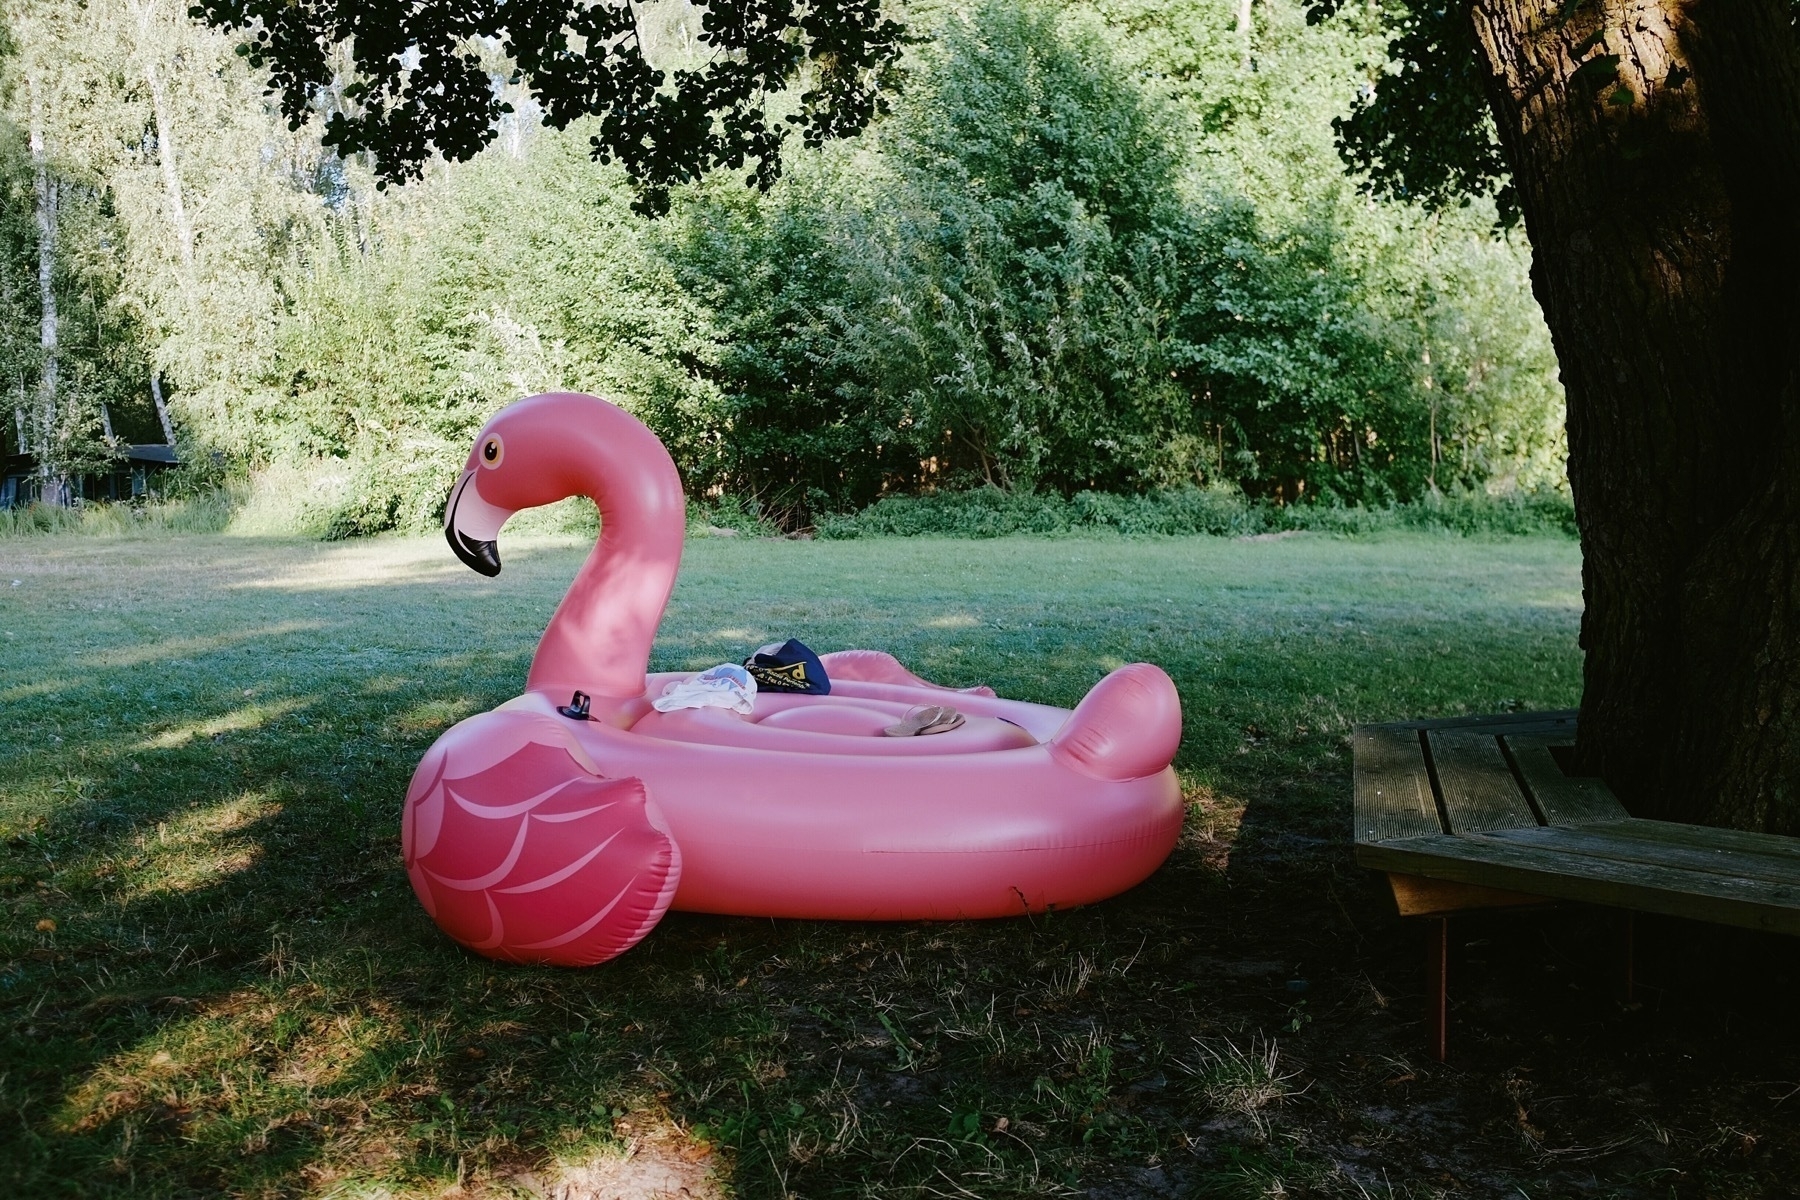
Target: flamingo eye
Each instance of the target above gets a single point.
(492, 451)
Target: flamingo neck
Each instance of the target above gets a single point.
(599, 639)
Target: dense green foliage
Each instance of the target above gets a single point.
(1424, 133)
(1100, 247)
(1047, 273)
(1174, 512)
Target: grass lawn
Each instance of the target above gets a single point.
(215, 979)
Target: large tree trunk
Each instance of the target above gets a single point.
(1662, 196)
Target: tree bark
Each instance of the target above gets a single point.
(1660, 190)
(7, 301)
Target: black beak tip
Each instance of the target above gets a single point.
(483, 557)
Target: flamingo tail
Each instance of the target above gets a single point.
(1128, 727)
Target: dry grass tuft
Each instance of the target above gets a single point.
(1243, 1082)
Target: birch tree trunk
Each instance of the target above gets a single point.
(1656, 148)
(162, 410)
(168, 160)
(44, 194)
(145, 13)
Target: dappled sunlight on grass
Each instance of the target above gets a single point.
(378, 563)
(41, 687)
(198, 847)
(386, 685)
(1213, 820)
(388, 562)
(433, 715)
(165, 649)
(241, 1068)
(237, 993)
(251, 716)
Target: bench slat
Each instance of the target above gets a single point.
(1393, 789)
(1478, 787)
(1671, 891)
(1563, 799)
(1705, 837)
(1560, 721)
(1616, 843)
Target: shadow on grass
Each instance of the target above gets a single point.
(1558, 1081)
(240, 995)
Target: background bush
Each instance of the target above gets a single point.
(990, 512)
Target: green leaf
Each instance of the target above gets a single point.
(1588, 43)
(1597, 72)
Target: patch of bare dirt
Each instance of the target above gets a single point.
(663, 1166)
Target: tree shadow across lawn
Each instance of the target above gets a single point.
(211, 946)
(240, 995)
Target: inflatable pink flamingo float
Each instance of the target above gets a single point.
(539, 833)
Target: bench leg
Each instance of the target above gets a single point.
(1628, 957)
(1437, 979)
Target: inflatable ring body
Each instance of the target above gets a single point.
(538, 833)
(983, 821)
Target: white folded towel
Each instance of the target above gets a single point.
(724, 686)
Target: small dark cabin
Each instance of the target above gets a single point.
(133, 477)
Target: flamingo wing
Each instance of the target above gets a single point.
(521, 851)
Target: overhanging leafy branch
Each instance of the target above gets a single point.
(421, 85)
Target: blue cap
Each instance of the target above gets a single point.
(789, 667)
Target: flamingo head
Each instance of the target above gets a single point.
(530, 454)
(543, 449)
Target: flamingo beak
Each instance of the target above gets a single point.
(472, 526)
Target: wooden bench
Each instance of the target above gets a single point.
(1478, 813)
